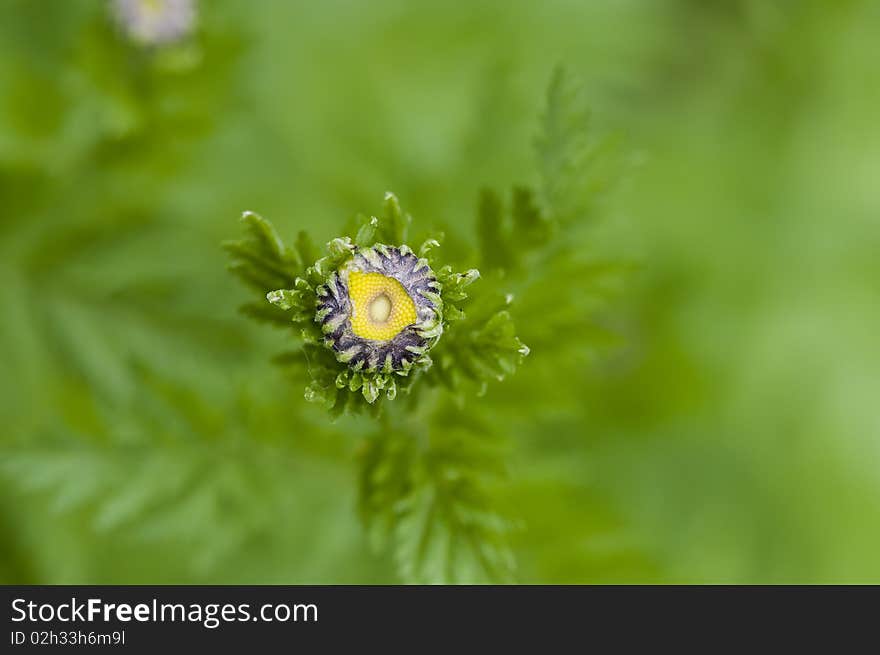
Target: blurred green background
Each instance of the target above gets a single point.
(732, 432)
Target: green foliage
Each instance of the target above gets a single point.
(706, 416)
(430, 491)
(138, 419)
(263, 262)
(393, 227)
(215, 481)
(508, 235)
(576, 163)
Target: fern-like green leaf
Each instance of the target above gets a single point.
(576, 162)
(434, 495)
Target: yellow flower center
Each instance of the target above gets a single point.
(381, 307)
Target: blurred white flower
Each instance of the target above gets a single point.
(155, 22)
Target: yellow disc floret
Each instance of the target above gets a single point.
(381, 307)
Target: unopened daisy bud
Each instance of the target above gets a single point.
(155, 22)
(381, 310)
